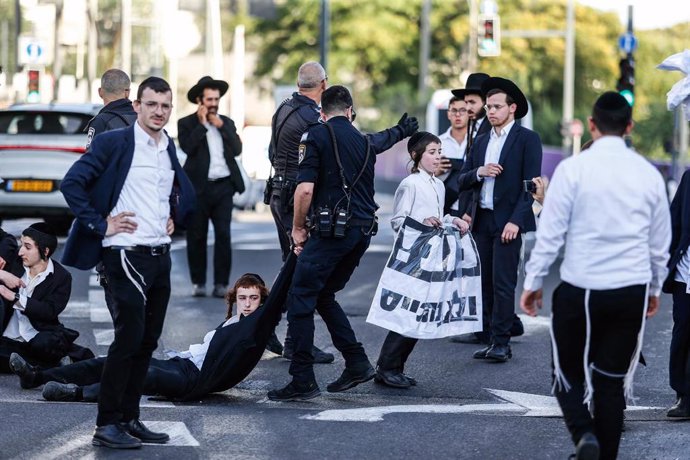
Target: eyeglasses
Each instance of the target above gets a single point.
(456, 112)
(150, 105)
(490, 107)
(325, 78)
(354, 114)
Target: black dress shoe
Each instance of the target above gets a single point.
(499, 353)
(481, 354)
(295, 392)
(681, 410)
(56, 391)
(273, 345)
(28, 374)
(412, 380)
(587, 447)
(320, 356)
(138, 430)
(392, 379)
(351, 378)
(115, 437)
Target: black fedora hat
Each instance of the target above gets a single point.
(206, 82)
(511, 90)
(473, 85)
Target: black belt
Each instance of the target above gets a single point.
(354, 222)
(221, 179)
(278, 185)
(153, 250)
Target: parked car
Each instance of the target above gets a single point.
(38, 144)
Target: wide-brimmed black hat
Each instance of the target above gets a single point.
(206, 82)
(511, 90)
(473, 85)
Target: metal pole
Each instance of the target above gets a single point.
(424, 50)
(92, 53)
(324, 33)
(126, 38)
(214, 40)
(474, 19)
(569, 77)
(57, 60)
(237, 82)
(17, 33)
(4, 42)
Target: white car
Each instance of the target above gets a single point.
(38, 144)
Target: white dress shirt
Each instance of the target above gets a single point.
(419, 195)
(493, 153)
(451, 148)
(218, 167)
(197, 351)
(609, 206)
(146, 192)
(20, 328)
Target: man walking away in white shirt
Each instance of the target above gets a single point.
(616, 229)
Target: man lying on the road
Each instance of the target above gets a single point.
(31, 299)
(226, 355)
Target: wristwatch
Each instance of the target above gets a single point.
(16, 297)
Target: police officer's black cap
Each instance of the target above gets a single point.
(611, 101)
(206, 82)
(473, 85)
(511, 90)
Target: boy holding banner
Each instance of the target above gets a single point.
(422, 297)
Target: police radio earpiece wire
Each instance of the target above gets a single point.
(347, 190)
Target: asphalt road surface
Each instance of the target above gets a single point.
(461, 409)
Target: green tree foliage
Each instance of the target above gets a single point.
(374, 50)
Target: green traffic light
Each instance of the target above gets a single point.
(629, 96)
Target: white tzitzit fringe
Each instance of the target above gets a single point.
(589, 389)
(125, 263)
(628, 381)
(559, 380)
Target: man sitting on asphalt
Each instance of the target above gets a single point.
(31, 302)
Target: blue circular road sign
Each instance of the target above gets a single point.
(627, 42)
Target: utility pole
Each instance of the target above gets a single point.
(424, 50)
(569, 78)
(214, 40)
(126, 38)
(324, 33)
(474, 20)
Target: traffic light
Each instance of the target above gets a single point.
(626, 82)
(489, 35)
(34, 86)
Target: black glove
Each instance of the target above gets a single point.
(409, 125)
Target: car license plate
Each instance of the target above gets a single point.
(40, 186)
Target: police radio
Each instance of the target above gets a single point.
(323, 222)
(340, 223)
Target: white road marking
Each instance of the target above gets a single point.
(100, 314)
(104, 337)
(375, 414)
(35, 398)
(76, 310)
(178, 432)
(516, 404)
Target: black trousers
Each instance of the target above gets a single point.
(140, 286)
(615, 318)
(323, 268)
(213, 202)
(282, 216)
(395, 351)
(499, 276)
(679, 363)
(172, 378)
(42, 351)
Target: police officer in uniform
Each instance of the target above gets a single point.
(118, 111)
(335, 181)
(289, 123)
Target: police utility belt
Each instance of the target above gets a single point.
(333, 223)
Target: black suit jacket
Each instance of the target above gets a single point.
(192, 137)
(48, 300)
(680, 229)
(521, 160)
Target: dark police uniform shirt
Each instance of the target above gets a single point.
(284, 157)
(317, 164)
(115, 115)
